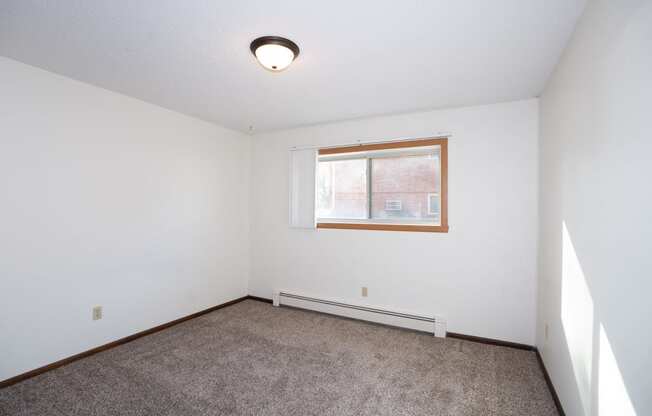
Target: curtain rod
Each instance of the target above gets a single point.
(438, 135)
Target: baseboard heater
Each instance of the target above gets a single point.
(434, 324)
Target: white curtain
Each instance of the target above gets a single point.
(302, 188)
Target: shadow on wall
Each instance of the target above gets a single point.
(598, 377)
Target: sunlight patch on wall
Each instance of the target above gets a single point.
(613, 398)
(577, 318)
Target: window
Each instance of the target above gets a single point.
(393, 205)
(342, 189)
(433, 204)
(400, 186)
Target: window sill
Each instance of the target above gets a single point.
(384, 227)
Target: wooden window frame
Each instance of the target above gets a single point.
(443, 157)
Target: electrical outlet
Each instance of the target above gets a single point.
(364, 292)
(97, 313)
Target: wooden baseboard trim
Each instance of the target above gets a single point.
(551, 387)
(259, 299)
(491, 341)
(68, 360)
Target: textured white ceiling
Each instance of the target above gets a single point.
(358, 58)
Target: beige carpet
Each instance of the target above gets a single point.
(254, 359)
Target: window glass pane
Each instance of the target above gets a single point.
(342, 189)
(406, 188)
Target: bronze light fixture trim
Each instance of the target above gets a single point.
(274, 52)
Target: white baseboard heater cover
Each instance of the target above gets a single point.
(433, 324)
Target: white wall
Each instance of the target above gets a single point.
(481, 275)
(106, 200)
(595, 265)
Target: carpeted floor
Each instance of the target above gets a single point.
(254, 359)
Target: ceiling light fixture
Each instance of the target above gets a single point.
(274, 52)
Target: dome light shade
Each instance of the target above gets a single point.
(274, 53)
